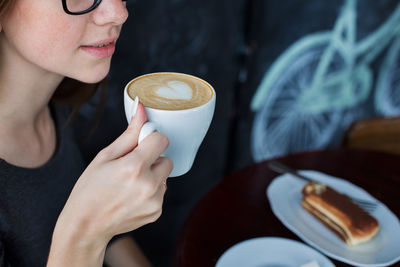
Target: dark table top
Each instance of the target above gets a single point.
(237, 208)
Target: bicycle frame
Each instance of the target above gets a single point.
(357, 57)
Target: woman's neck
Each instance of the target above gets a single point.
(23, 101)
(27, 130)
(25, 89)
(28, 134)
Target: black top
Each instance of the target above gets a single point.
(32, 199)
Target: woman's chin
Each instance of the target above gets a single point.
(90, 81)
(91, 77)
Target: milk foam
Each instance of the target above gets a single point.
(170, 91)
(176, 90)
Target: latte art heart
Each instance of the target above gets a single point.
(176, 90)
(170, 91)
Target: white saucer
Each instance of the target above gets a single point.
(271, 251)
(284, 194)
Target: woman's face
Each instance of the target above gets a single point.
(42, 35)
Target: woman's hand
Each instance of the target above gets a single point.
(123, 187)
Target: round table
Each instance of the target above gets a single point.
(237, 208)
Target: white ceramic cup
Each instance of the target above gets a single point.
(184, 128)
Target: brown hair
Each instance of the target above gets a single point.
(71, 92)
(4, 4)
(74, 93)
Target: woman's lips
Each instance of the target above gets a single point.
(101, 51)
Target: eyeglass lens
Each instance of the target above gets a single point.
(79, 5)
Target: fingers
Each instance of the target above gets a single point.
(157, 182)
(150, 149)
(162, 168)
(128, 140)
(159, 197)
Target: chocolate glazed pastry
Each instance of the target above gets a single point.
(339, 213)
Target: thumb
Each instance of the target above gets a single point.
(128, 140)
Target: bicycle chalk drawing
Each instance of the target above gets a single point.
(304, 98)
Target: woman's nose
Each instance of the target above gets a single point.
(110, 12)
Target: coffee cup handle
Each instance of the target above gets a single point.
(147, 128)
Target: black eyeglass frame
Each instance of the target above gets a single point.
(96, 3)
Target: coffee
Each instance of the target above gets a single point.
(170, 91)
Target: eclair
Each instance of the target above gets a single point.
(339, 213)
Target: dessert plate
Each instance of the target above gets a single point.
(271, 251)
(284, 195)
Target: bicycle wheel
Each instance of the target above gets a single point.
(387, 92)
(282, 125)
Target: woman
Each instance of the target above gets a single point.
(55, 211)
